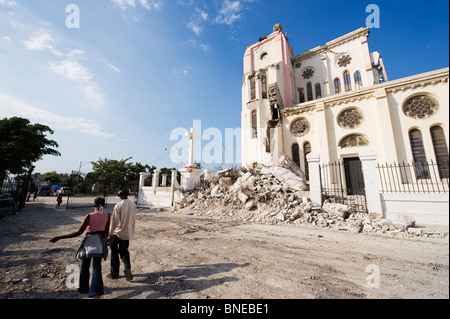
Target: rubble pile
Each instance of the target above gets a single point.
(277, 195)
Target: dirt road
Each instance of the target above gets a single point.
(180, 256)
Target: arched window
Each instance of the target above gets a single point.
(296, 154)
(337, 86)
(253, 88)
(358, 81)
(309, 91)
(254, 125)
(347, 81)
(440, 150)
(418, 152)
(301, 94)
(264, 85)
(306, 151)
(318, 91)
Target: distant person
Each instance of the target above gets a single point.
(28, 196)
(35, 194)
(121, 231)
(58, 200)
(95, 224)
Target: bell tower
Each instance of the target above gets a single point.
(267, 88)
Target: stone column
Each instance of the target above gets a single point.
(315, 182)
(321, 124)
(155, 179)
(174, 177)
(142, 179)
(389, 153)
(174, 184)
(207, 175)
(164, 180)
(369, 168)
(141, 194)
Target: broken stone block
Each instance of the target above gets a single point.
(226, 181)
(415, 231)
(322, 222)
(295, 215)
(355, 225)
(250, 205)
(308, 207)
(276, 188)
(243, 198)
(215, 190)
(281, 216)
(265, 170)
(341, 207)
(405, 219)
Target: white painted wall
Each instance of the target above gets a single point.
(424, 208)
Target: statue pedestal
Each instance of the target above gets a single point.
(190, 177)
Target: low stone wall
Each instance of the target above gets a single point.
(431, 209)
(157, 196)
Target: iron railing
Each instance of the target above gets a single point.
(421, 177)
(344, 183)
(9, 197)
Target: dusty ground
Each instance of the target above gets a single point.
(180, 256)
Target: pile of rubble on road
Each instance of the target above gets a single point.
(277, 195)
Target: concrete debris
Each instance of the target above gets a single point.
(276, 195)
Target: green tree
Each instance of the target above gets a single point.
(51, 177)
(22, 144)
(113, 175)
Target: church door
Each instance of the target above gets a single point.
(354, 176)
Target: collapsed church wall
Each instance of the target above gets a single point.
(276, 195)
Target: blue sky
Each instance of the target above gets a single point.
(135, 70)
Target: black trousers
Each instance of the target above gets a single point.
(119, 248)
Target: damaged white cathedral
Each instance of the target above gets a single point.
(336, 101)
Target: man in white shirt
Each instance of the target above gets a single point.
(121, 231)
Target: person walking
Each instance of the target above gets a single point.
(58, 200)
(93, 247)
(121, 231)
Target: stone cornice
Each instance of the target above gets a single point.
(415, 81)
(361, 32)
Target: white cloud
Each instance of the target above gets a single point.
(183, 72)
(7, 3)
(69, 67)
(147, 4)
(197, 20)
(113, 67)
(10, 106)
(124, 3)
(202, 14)
(229, 12)
(195, 28)
(42, 40)
(196, 44)
(72, 70)
(76, 72)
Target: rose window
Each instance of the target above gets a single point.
(350, 118)
(300, 127)
(420, 107)
(344, 61)
(308, 73)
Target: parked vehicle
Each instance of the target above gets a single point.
(6, 199)
(45, 190)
